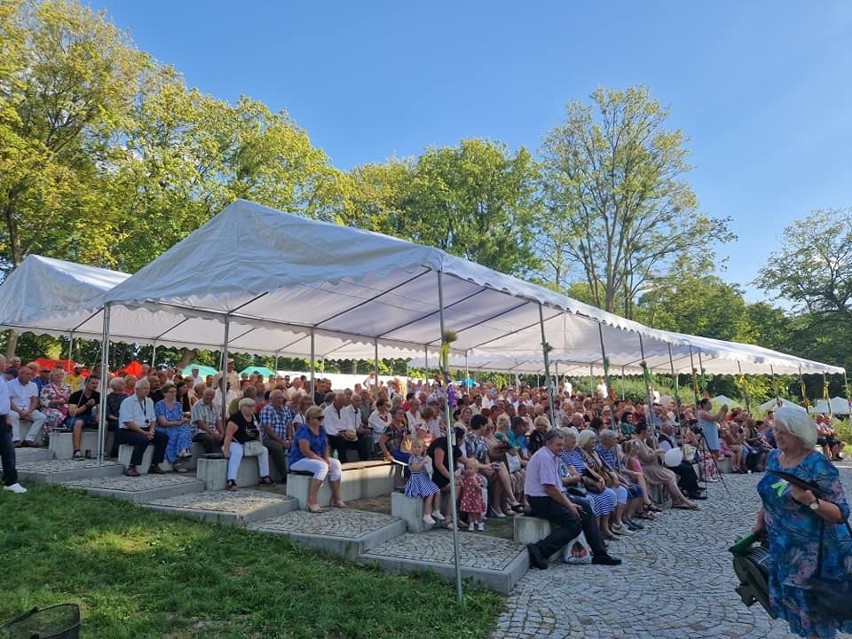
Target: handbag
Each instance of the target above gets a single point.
(830, 598)
(513, 462)
(253, 448)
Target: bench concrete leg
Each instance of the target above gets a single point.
(411, 510)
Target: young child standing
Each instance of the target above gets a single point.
(420, 482)
(471, 501)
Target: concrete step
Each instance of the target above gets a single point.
(496, 563)
(139, 489)
(60, 471)
(228, 508)
(32, 455)
(343, 531)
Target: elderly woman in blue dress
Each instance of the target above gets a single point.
(795, 518)
(172, 421)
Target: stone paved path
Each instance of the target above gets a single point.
(676, 581)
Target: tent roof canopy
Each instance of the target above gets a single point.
(286, 281)
(268, 270)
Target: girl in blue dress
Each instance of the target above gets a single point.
(420, 482)
(794, 518)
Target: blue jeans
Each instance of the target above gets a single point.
(7, 453)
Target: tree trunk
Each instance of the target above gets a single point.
(186, 355)
(11, 343)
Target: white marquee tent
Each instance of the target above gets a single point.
(280, 279)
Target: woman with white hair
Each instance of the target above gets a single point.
(603, 498)
(800, 522)
(243, 430)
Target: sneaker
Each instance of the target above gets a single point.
(427, 519)
(481, 526)
(624, 530)
(497, 514)
(470, 527)
(436, 514)
(178, 468)
(78, 456)
(15, 488)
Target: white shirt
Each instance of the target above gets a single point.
(335, 421)
(567, 388)
(4, 398)
(20, 395)
(378, 423)
(602, 390)
(414, 421)
(138, 411)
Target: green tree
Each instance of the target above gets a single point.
(813, 270)
(475, 200)
(615, 199)
(689, 301)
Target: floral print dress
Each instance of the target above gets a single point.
(794, 533)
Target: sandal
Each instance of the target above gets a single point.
(232, 485)
(686, 506)
(314, 508)
(266, 481)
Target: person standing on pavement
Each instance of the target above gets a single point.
(543, 487)
(7, 448)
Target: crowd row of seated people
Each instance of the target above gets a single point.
(609, 451)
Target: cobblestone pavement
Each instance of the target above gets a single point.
(120, 483)
(60, 465)
(240, 502)
(476, 550)
(676, 581)
(334, 522)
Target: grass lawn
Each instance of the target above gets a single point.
(140, 574)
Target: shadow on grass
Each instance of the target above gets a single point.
(136, 573)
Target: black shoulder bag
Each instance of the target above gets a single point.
(830, 598)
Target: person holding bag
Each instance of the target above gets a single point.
(804, 514)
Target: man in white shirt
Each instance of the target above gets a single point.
(601, 390)
(196, 377)
(136, 420)
(23, 398)
(7, 448)
(341, 422)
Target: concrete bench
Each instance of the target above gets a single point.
(214, 473)
(724, 465)
(529, 530)
(411, 510)
(359, 480)
(125, 452)
(62, 446)
(24, 428)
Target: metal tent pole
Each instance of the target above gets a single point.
(694, 380)
(223, 382)
(605, 360)
(676, 388)
(646, 375)
(451, 437)
(313, 365)
(623, 396)
(545, 348)
(745, 388)
(154, 358)
(701, 372)
(70, 348)
(102, 413)
(376, 365)
(774, 385)
(826, 395)
(591, 380)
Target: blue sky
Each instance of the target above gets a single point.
(763, 89)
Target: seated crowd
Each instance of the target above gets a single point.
(612, 457)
